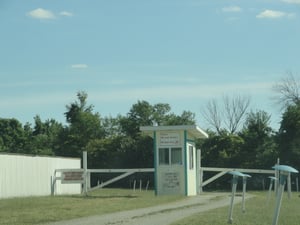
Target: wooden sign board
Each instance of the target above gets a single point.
(72, 177)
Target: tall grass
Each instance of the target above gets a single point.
(258, 212)
(37, 210)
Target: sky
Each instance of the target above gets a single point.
(180, 52)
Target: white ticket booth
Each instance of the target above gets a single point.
(175, 164)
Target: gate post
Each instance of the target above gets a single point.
(84, 163)
(199, 172)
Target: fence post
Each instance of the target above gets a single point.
(134, 183)
(52, 185)
(277, 173)
(140, 185)
(84, 163)
(199, 172)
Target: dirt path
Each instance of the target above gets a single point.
(158, 215)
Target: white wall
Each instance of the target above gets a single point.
(22, 175)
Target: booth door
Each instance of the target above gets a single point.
(191, 170)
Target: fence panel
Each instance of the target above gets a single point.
(22, 175)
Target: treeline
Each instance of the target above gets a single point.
(110, 142)
(118, 143)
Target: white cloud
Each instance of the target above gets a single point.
(272, 14)
(79, 66)
(66, 13)
(231, 9)
(291, 1)
(41, 14)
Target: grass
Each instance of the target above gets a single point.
(258, 212)
(37, 210)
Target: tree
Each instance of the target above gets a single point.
(186, 118)
(288, 91)
(289, 136)
(259, 148)
(140, 114)
(84, 126)
(75, 108)
(44, 136)
(222, 150)
(12, 136)
(228, 117)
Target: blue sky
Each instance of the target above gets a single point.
(180, 52)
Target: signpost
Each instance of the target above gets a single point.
(284, 173)
(72, 177)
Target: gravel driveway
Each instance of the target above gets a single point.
(158, 215)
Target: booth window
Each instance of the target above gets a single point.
(191, 158)
(176, 156)
(164, 156)
(169, 156)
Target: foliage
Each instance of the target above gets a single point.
(222, 150)
(84, 126)
(289, 136)
(117, 142)
(259, 149)
(13, 136)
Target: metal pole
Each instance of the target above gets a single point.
(270, 190)
(244, 192)
(283, 177)
(289, 185)
(276, 183)
(234, 184)
(297, 184)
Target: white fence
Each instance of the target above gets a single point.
(22, 175)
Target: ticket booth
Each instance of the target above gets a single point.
(175, 164)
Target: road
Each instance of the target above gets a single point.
(158, 215)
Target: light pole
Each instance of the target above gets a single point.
(244, 191)
(235, 176)
(272, 180)
(284, 173)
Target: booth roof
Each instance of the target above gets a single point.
(193, 130)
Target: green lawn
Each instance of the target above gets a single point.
(36, 210)
(258, 212)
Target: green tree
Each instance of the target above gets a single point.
(259, 148)
(140, 114)
(186, 118)
(84, 126)
(222, 150)
(12, 136)
(289, 136)
(43, 137)
(288, 97)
